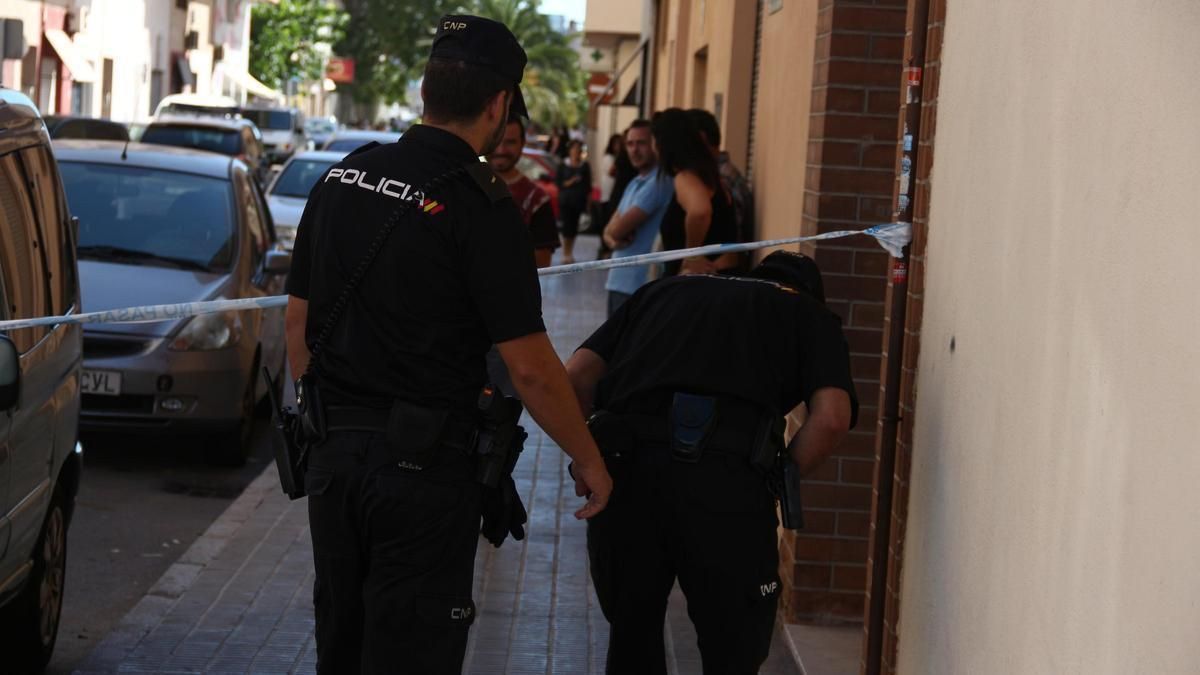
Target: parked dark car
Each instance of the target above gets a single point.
(349, 140)
(226, 136)
(40, 459)
(85, 127)
(163, 225)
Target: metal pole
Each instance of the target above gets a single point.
(897, 311)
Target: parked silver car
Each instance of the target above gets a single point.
(160, 225)
(40, 461)
(288, 192)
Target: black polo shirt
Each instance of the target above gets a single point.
(755, 340)
(456, 275)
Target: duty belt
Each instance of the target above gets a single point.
(656, 430)
(694, 425)
(458, 433)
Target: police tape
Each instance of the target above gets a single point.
(892, 237)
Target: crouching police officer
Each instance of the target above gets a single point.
(410, 261)
(689, 416)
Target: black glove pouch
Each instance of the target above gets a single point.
(502, 509)
(413, 432)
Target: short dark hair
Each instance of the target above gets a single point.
(520, 122)
(639, 123)
(791, 269)
(706, 123)
(455, 91)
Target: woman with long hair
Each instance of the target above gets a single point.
(574, 188)
(702, 212)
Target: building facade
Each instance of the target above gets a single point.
(117, 59)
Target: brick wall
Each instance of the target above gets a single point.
(848, 183)
(934, 31)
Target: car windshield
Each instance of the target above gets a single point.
(319, 126)
(269, 119)
(213, 139)
(150, 216)
(299, 176)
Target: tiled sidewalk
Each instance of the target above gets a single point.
(240, 599)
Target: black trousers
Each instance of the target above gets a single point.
(395, 557)
(710, 524)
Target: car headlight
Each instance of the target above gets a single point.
(207, 332)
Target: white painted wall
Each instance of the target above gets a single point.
(1056, 471)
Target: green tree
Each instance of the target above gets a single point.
(554, 86)
(284, 39)
(388, 40)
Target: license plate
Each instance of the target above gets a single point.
(102, 382)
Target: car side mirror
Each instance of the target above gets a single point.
(10, 374)
(278, 262)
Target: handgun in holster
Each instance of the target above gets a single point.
(500, 438)
(288, 446)
(769, 455)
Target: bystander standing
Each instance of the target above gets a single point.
(532, 201)
(635, 224)
(702, 211)
(734, 182)
(574, 188)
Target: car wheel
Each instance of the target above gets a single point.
(232, 447)
(30, 622)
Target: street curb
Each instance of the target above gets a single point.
(162, 596)
(793, 648)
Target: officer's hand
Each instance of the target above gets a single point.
(592, 481)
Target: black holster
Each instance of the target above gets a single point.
(498, 446)
(288, 444)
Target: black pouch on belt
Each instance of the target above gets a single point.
(692, 419)
(613, 436)
(413, 432)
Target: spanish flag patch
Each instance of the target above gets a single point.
(432, 207)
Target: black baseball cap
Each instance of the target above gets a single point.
(484, 43)
(792, 269)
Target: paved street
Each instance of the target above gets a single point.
(141, 505)
(239, 600)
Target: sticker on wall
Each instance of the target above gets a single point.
(902, 204)
(904, 183)
(908, 141)
(899, 272)
(913, 76)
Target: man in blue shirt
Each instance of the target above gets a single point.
(634, 225)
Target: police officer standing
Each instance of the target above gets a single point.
(390, 402)
(689, 416)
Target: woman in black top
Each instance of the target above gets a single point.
(574, 187)
(702, 212)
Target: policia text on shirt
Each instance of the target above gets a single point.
(394, 497)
